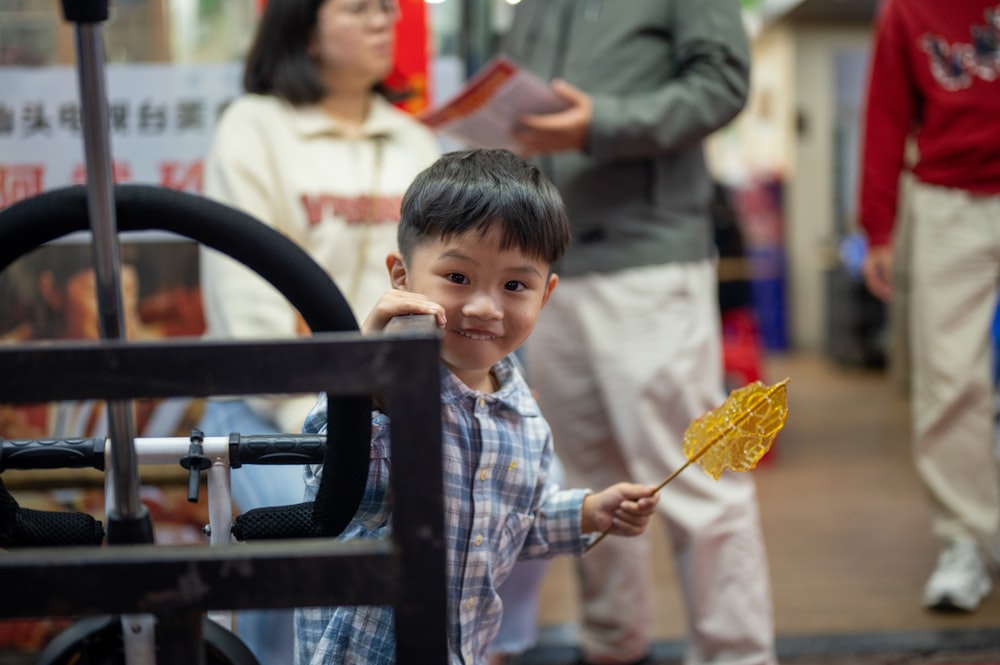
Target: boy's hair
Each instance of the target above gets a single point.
(486, 192)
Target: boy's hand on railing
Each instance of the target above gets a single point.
(396, 302)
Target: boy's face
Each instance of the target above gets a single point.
(491, 298)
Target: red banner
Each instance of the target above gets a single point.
(410, 73)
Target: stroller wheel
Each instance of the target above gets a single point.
(98, 641)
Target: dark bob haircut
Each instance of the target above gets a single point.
(279, 63)
(488, 192)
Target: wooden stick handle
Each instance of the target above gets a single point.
(694, 458)
(658, 488)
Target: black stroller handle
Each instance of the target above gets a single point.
(88, 453)
(35, 221)
(77, 453)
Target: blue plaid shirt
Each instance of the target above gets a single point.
(499, 506)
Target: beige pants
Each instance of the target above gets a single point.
(954, 273)
(899, 306)
(622, 363)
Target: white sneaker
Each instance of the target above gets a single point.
(960, 580)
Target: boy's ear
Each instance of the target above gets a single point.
(397, 270)
(550, 287)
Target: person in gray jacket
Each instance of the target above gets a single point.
(628, 352)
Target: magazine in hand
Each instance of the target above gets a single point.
(485, 112)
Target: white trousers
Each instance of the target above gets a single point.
(622, 363)
(955, 269)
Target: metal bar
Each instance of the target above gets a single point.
(176, 368)
(220, 503)
(416, 427)
(107, 265)
(100, 183)
(406, 572)
(141, 578)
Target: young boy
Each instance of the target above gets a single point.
(478, 236)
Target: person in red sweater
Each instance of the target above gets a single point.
(935, 80)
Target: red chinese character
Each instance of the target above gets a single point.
(20, 181)
(120, 171)
(185, 177)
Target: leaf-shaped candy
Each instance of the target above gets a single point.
(738, 433)
(734, 435)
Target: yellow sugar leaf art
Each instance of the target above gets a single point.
(735, 435)
(738, 433)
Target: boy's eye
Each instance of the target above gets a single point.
(456, 277)
(514, 285)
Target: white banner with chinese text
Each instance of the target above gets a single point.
(161, 119)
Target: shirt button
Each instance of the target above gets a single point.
(484, 474)
(482, 402)
(469, 603)
(479, 540)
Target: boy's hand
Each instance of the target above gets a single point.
(624, 508)
(395, 302)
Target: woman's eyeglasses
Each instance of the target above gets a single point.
(369, 9)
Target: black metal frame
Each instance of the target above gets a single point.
(178, 584)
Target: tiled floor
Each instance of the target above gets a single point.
(847, 537)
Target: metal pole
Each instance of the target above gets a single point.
(100, 200)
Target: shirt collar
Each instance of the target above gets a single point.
(312, 120)
(513, 392)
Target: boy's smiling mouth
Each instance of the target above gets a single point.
(477, 335)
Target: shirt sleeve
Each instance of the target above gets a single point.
(558, 523)
(889, 117)
(373, 512)
(712, 61)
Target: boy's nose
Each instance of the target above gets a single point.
(483, 306)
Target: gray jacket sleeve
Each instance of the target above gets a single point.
(709, 87)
